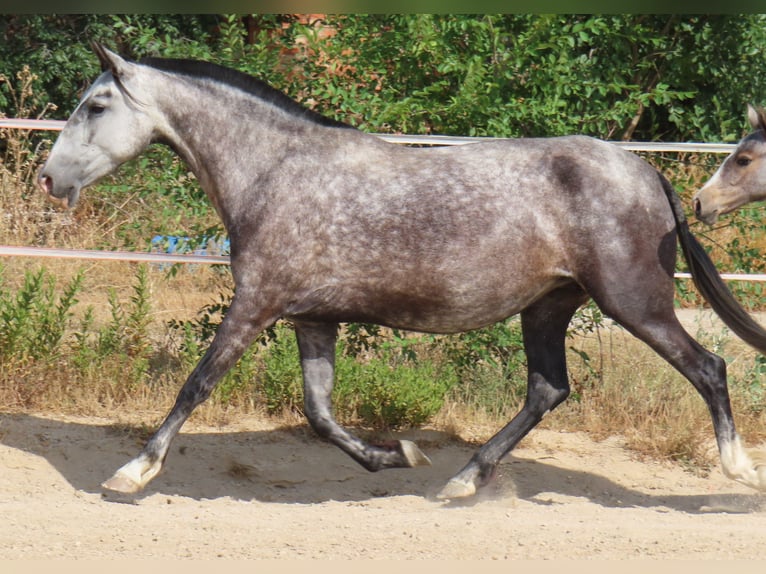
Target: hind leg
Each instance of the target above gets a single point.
(316, 342)
(544, 327)
(707, 372)
(649, 315)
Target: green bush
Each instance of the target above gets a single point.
(618, 76)
(384, 393)
(280, 381)
(381, 391)
(124, 339)
(491, 365)
(39, 327)
(34, 319)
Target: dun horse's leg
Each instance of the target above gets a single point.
(544, 326)
(234, 335)
(316, 342)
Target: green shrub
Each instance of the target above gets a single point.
(491, 365)
(388, 394)
(382, 391)
(124, 338)
(281, 381)
(34, 320)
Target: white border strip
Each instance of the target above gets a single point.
(728, 276)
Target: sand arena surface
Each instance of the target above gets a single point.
(253, 491)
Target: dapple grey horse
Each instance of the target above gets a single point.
(331, 225)
(741, 178)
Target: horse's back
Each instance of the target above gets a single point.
(525, 192)
(507, 170)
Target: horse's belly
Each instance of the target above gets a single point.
(437, 310)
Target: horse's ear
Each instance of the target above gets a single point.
(757, 117)
(109, 60)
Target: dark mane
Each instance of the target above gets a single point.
(241, 81)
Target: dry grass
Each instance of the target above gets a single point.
(656, 410)
(640, 397)
(635, 394)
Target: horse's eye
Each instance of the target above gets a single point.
(96, 110)
(743, 161)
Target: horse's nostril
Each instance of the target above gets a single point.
(697, 207)
(46, 183)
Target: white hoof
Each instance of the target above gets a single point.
(457, 489)
(121, 483)
(132, 477)
(745, 466)
(414, 456)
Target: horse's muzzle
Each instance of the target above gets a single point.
(46, 184)
(708, 217)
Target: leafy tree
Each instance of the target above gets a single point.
(617, 76)
(57, 47)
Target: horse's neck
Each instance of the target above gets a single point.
(228, 142)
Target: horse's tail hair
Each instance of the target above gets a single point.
(709, 281)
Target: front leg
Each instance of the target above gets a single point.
(237, 331)
(316, 342)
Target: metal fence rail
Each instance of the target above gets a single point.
(657, 147)
(31, 124)
(150, 257)
(166, 258)
(58, 125)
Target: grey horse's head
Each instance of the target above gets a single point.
(112, 124)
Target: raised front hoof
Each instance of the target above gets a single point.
(457, 489)
(413, 455)
(122, 484)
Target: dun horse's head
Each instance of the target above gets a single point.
(110, 125)
(741, 178)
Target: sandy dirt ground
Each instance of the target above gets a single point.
(250, 490)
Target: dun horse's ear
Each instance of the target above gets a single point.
(761, 118)
(757, 117)
(109, 60)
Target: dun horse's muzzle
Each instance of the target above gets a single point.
(697, 207)
(702, 214)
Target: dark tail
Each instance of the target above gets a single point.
(708, 280)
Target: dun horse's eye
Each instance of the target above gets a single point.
(743, 161)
